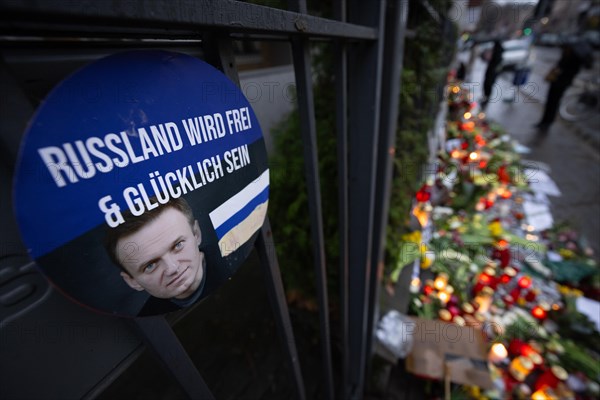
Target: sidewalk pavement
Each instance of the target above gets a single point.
(534, 91)
(536, 88)
(573, 159)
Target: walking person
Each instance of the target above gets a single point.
(573, 57)
(493, 69)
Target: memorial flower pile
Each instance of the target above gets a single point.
(479, 261)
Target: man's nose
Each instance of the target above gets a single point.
(171, 265)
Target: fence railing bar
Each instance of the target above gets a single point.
(341, 89)
(395, 25)
(276, 293)
(143, 16)
(163, 343)
(306, 108)
(364, 89)
(219, 51)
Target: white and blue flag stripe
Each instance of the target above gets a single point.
(236, 220)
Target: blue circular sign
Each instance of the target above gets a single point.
(142, 182)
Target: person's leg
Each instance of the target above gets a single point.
(488, 83)
(552, 101)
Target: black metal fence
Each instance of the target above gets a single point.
(369, 39)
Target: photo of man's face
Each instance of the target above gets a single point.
(162, 257)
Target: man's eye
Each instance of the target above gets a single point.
(150, 267)
(179, 245)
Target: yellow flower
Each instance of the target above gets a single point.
(566, 253)
(427, 256)
(474, 391)
(413, 237)
(495, 228)
(576, 292)
(563, 289)
(426, 261)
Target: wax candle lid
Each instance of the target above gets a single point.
(535, 358)
(536, 346)
(468, 308)
(445, 315)
(487, 291)
(559, 372)
(526, 362)
(458, 320)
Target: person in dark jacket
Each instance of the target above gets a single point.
(574, 56)
(492, 70)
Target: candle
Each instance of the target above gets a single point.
(458, 320)
(520, 367)
(454, 310)
(507, 275)
(485, 279)
(453, 298)
(484, 300)
(445, 315)
(551, 377)
(539, 313)
(515, 293)
(524, 282)
(508, 300)
(530, 295)
(444, 297)
(515, 347)
(536, 347)
(441, 281)
(467, 308)
(428, 290)
(544, 394)
(415, 285)
(522, 392)
(536, 359)
(498, 353)
(502, 252)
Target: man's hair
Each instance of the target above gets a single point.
(133, 224)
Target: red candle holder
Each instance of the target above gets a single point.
(507, 275)
(531, 295)
(454, 310)
(427, 290)
(551, 377)
(539, 313)
(524, 282)
(508, 300)
(502, 252)
(515, 293)
(515, 347)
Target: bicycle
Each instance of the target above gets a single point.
(584, 102)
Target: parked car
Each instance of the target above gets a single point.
(548, 39)
(515, 54)
(593, 38)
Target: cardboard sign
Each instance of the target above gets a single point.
(142, 183)
(441, 348)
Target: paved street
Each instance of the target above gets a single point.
(569, 149)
